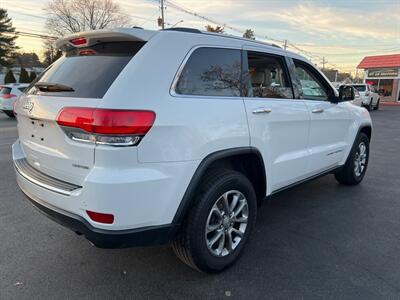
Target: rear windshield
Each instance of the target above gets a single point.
(360, 88)
(88, 71)
(5, 91)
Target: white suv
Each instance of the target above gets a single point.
(139, 137)
(369, 97)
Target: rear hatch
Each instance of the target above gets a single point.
(80, 78)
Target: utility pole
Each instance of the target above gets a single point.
(323, 62)
(162, 14)
(285, 45)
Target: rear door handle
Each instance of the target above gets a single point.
(317, 110)
(262, 110)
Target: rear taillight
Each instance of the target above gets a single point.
(106, 126)
(8, 96)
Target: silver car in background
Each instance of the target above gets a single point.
(8, 95)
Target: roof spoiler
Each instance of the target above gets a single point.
(88, 38)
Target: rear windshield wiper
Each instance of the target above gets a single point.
(53, 87)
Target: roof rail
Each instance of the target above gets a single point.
(183, 29)
(194, 30)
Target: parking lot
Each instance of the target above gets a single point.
(312, 241)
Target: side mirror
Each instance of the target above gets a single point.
(346, 93)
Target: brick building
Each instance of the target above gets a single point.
(383, 72)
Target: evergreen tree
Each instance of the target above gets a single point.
(32, 76)
(9, 78)
(249, 34)
(7, 39)
(23, 76)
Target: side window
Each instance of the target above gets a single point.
(211, 72)
(312, 87)
(268, 76)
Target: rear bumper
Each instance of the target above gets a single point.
(143, 200)
(147, 236)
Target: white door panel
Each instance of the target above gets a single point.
(281, 136)
(329, 129)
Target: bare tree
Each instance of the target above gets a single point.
(50, 53)
(69, 16)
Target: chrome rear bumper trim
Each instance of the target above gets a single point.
(50, 183)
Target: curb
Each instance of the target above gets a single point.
(390, 103)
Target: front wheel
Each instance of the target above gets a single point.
(356, 165)
(218, 226)
(377, 105)
(370, 105)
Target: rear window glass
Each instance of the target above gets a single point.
(211, 72)
(5, 91)
(360, 88)
(88, 71)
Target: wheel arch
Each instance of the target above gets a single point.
(247, 160)
(367, 129)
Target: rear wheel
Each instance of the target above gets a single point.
(9, 113)
(218, 226)
(356, 165)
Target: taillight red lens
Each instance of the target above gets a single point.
(9, 96)
(100, 217)
(79, 41)
(78, 117)
(107, 121)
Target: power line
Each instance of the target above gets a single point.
(31, 34)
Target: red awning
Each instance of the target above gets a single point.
(380, 61)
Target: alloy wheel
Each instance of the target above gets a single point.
(360, 159)
(226, 223)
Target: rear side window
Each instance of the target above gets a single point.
(211, 72)
(88, 71)
(268, 76)
(5, 91)
(360, 88)
(22, 89)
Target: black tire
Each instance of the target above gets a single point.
(190, 245)
(377, 104)
(348, 175)
(10, 114)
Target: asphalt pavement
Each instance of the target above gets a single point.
(318, 240)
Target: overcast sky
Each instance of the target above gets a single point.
(342, 31)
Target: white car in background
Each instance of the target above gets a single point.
(357, 97)
(370, 98)
(8, 94)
